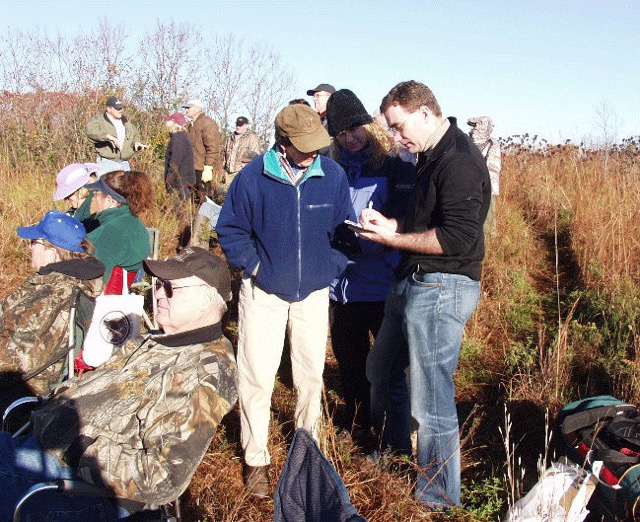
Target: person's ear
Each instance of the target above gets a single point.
(425, 111)
(51, 255)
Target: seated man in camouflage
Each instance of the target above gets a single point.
(140, 424)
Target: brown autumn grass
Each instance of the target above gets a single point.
(558, 318)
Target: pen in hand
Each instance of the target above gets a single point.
(365, 215)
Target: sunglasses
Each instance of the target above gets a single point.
(169, 287)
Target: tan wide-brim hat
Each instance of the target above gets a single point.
(302, 125)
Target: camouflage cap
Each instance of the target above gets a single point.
(194, 261)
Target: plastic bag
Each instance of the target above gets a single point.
(116, 319)
(561, 495)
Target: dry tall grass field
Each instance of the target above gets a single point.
(558, 318)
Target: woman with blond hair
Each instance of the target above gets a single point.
(121, 240)
(378, 179)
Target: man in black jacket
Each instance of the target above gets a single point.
(437, 285)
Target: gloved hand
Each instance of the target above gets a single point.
(207, 173)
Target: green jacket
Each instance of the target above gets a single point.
(98, 128)
(83, 212)
(120, 239)
(141, 423)
(34, 319)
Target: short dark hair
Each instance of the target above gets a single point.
(411, 96)
(299, 101)
(282, 140)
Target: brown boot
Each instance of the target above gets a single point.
(256, 480)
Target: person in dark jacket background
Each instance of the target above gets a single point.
(179, 173)
(205, 137)
(277, 224)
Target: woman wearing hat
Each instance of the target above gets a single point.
(378, 179)
(70, 186)
(121, 240)
(34, 319)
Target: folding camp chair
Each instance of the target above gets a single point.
(310, 488)
(80, 315)
(77, 487)
(144, 286)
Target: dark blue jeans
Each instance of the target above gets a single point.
(24, 463)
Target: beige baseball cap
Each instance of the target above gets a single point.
(302, 125)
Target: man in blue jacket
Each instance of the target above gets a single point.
(278, 224)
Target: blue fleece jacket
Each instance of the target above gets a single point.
(286, 231)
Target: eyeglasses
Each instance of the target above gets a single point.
(397, 128)
(169, 287)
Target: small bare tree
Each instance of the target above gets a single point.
(269, 86)
(225, 77)
(108, 52)
(607, 122)
(21, 60)
(245, 80)
(32, 61)
(170, 64)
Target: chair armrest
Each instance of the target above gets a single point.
(34, 401)
(31, 492)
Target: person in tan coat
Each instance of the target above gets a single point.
(205, 136)
(242, 140)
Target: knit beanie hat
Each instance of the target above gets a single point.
(345, 111)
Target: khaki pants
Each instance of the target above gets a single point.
(262, 320)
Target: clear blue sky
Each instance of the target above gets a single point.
(535, 66)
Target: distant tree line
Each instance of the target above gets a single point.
(168, 65)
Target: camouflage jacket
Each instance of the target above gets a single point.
(34, 319)
(490, 148)
(140, 424)
(235, 148)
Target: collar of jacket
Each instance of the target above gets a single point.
(199, 335)
(273, 168)
(123, 119)
(111, 213)
(426, 158)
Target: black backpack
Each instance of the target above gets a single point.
(602, 434)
